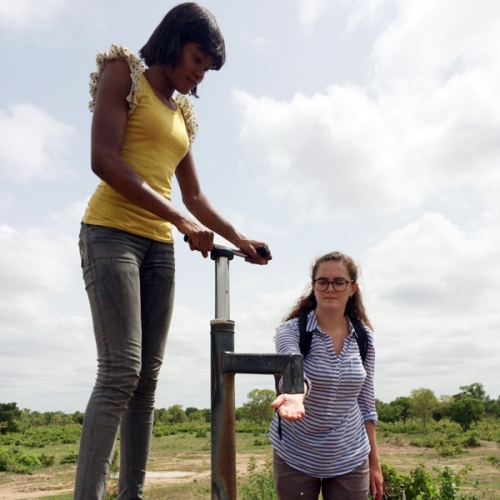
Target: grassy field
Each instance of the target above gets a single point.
(403, 447)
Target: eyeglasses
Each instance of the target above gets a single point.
(338, 284)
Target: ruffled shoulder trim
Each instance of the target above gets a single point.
(190, 117)
(136, 70)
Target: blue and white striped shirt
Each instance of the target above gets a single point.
(331, 439)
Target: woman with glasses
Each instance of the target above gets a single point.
(324, 440)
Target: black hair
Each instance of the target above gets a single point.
(187, 22)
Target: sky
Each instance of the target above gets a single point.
(370, 127)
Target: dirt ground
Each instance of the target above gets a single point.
(177, 471)
(183, 469)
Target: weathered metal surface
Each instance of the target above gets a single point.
(223, 431)
(289, 365)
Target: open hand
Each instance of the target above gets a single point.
(290, 406)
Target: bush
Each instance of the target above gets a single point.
(70, 458)
(260, 484)
(471, 440)
(47, 460)
(261, 442)
(449, 450)
(22, 461)
(394, 483)
(5, 460)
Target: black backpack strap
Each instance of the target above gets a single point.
(361, 337)
(305, 337)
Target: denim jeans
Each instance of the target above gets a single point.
(130, 284)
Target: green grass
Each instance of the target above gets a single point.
(439, 445)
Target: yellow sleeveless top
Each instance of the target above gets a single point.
(156, 140)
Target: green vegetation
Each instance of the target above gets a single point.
(442, 448)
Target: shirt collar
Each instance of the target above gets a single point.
(312, 323)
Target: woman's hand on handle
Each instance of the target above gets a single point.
(257, 251)
(198, 236)
(290, 406)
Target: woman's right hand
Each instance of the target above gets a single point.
(200, 238)
(290, 406)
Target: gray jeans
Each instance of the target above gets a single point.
(292, 484)
(130, 285)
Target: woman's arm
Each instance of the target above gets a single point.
(109, 124)
(376, 477)
(290, 406)
(202, 208)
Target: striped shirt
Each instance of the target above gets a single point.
(331, 439)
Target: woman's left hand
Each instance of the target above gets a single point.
(250, 248)
(376, 482)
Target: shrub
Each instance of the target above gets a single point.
(25, 461)
(261, 442)
(260, 483)
(70, 458)
(47, 460)
(5, 460)
(471, 440)
(394, 483)
(449, 450)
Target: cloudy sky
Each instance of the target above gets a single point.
(366, 126)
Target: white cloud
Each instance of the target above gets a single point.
(432, 294)
(24, 14)
(46, 350)
(427, 123)
(435, 267)
(310, 10)
(33, 144)
(35, 259)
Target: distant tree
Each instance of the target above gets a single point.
(57, 419)
(196, 416)
(422, 404)
(445, 402)
(437, 414)
(78, 417)
(492, 407)
(466, 411)
(387, 413)
(177, 414)
(257, 408)
(189, 410)
(161, 416)
(475, 390)
(403, 403)
(9, 412)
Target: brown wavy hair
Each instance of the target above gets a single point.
(307, 301)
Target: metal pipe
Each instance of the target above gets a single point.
(289, 365)
(223, 422)
(222, 256)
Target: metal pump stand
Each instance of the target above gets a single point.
(224, 365)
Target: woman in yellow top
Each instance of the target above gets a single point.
(141, 136)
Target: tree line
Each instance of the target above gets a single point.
(467, 407)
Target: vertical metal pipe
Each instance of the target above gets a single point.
(222, 287)
(223, 424)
